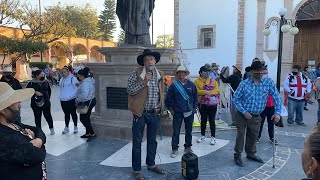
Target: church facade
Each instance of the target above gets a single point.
(231, 32)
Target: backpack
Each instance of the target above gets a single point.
(212, 100)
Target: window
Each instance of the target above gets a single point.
(206, 36)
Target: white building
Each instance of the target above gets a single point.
(231, 32)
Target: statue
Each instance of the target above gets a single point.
(134, 16)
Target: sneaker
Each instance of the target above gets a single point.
(75, 130)
(202, 138)
(188, 150)
(258, 140)
(301, 123)
(213, 141)
(275, 141)
(93, 135)
(52, 131)
(174, 153)
(85, 136)
(65, 130)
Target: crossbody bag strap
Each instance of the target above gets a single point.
(181, 90)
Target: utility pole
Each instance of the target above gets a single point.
(40, 29)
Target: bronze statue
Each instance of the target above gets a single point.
(134, 16)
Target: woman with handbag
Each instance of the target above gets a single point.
(40, 101)
(85, 100)
(208, 99)
(22, 151)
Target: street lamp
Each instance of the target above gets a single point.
(41, 58)
(285, 25)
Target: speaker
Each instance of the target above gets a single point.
(189, 166)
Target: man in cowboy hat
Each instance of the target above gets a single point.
(146, 102)
(21, 146)
(250, 100)
(8, 78)
(234, 81)
(182, 101)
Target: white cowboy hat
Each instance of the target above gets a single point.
(7, 69)
(8, 96)
(182, 68)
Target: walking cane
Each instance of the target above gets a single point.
(274, 144)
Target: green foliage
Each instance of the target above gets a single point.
(107, 20)
(165, 41)
(22, 46)
(9, 11)
(121, 38)
(40, 65)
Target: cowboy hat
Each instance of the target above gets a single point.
(237, 67)
(7, 69)
(148, 52)
(256, 65)
(183, 69)
(8, 96)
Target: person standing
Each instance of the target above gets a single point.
(146, 102)
(182, 101)
(268, 112)
(250, 100)
(21, 146)
(234, 80)
(208, 91)
(68, 92)
(85, 97)
(40, 101)
(298, 87)
(7, 77)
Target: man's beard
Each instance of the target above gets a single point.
(151, 68)
(13, 117)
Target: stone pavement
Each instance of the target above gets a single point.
(72, 158)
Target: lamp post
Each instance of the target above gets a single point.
(41, 58)
(285, 25)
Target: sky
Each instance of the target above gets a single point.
(163, 13)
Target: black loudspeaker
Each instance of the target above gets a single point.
(189, 165)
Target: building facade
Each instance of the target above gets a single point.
(231, 32)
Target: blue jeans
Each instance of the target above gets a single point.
(177, 121)
(138, 125)
(295, 106)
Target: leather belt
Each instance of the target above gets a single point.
(255, 115)
(151, 111)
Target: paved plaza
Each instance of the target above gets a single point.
(71, 158)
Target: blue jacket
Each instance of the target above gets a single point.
(175, 101)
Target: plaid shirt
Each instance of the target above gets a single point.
(252, 98)
(134, 87)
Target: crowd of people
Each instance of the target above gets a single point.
(254, 98)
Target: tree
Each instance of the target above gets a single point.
(165, 41)
(107, 20)
(84, 19)
(121, 38)
(9, 10)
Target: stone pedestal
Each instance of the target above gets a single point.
(118, 122)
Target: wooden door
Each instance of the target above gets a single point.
(307, 43)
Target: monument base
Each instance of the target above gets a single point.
(112, 117)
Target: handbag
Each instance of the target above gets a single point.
(83, 109)
(212, 100)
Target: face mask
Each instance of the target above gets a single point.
(295, 73)
(14, 116)
(257, 76)
(78, 79)
(205, 75)
(9, 76)
(42, 78)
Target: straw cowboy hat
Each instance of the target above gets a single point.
(183, 69)
(148, 52)
(8, 96)
(7, 69)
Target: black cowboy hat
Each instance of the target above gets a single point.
(148, 52)
(256, 65)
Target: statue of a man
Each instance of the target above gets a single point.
(134, 16)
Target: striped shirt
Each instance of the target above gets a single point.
(252, 98)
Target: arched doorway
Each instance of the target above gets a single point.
(80, 53)
(95, 56)
(307, 41)
(58, 54)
